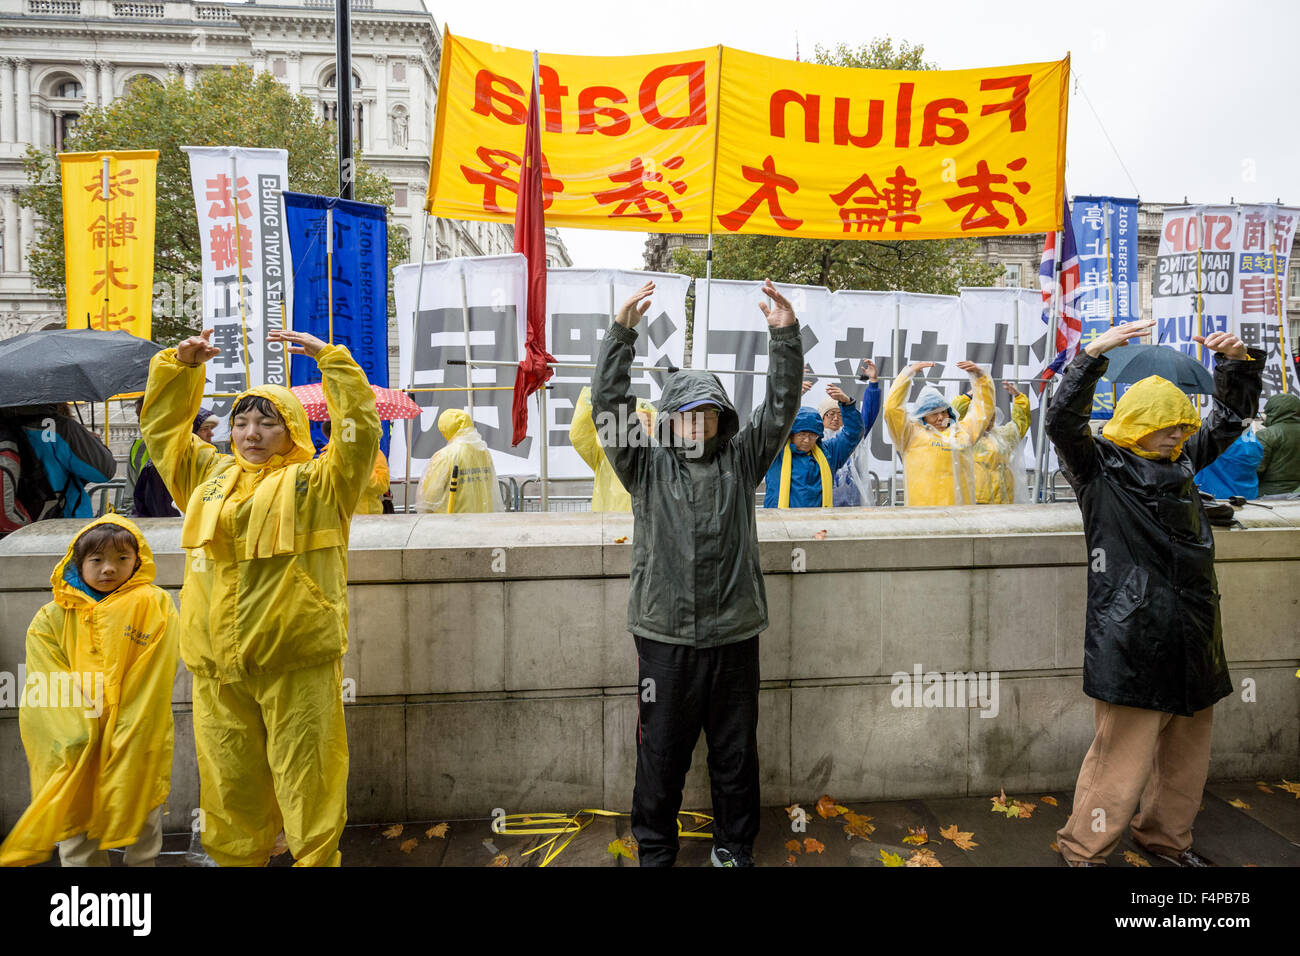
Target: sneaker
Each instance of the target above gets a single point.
(723, 857)
(1188, 857)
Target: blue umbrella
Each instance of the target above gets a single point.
(1132, 363)
(72, 365)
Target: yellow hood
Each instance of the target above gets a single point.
(1148, 406)
(67, 576)
(453, 421)
(295, 417)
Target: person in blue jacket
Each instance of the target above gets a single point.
(71, 455)
(849, 479)
(1234, 472)
(801, 476)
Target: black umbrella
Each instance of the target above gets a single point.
(72, 365)
(1132, 363)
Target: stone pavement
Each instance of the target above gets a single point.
(1266, 834)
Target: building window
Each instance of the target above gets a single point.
(68, 90)
(64, 123)
(279, 67)
(330, 80)
(1295, 282)
(400, 197)
(1013, 275)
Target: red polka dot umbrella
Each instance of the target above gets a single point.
(393, 405)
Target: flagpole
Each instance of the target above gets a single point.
(415, 318)
(541, 392)
(469, 367)
(713, 191)
(105, 193)
(1054, 302)
(329, 269)
(239, 272)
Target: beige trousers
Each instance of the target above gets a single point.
(1145, 762)
(80, 850)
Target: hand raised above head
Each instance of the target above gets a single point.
(780, 313)
(197, 349)
(1119, 335)
(835, 392)
(636, 306)
(1225, 343)
(920, 366)
(299, 343)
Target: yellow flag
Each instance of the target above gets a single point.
(720, 140)
(109, 205)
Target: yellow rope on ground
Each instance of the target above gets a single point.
(560, 824)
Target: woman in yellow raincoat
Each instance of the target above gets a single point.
(264, 609)
(937, 446)
(476, 476)
(96, 714)
(995, 452)
(607, 492)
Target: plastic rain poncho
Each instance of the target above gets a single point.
(476, 476)
(938, 463)
(607, 492)
(96, 773)
(999, 479)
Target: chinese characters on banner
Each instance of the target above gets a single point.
(1240, 274)
(579, 313)
(246, 273)
(801, 149)
(108, 239)
(356, 272)
(1106, 235)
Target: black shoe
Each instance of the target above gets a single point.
(722, 857)
(1188, 857)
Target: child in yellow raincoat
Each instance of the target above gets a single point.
(96, 714)
(995, 452)
(607, 492)
(264, 609)
(476, 476)
(936, 446)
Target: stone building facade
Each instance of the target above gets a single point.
(60, 57)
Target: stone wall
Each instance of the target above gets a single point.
(492, 666)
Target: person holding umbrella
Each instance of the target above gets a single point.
(1153, 645)
(264, 608)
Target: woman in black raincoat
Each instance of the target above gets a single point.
(1153, 644)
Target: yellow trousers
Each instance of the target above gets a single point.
(273, 753)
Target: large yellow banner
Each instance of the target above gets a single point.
(720, 140)
(108, 238)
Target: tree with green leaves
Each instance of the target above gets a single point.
(227, 107)
(933, 265)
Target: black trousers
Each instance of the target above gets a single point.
(714, 690)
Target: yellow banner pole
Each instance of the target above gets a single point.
(105, 194)
(329, 267)
(239, 271)
(1281, 312)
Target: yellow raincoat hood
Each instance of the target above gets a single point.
(607, 492)
(468, 455)
(271, 530)
(1148, 406)
(96, 719)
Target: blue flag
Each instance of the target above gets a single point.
(358, 262)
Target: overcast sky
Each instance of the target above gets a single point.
(1198, 97)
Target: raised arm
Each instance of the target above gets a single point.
(619, 430)
(980, 414)
(1238, 380)
(870, 398)
(769, 425)
(349, 459)
(1071, 407)
(839, 449)
(171, 400)
(896, 405)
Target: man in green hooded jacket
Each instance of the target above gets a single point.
(1279, 469)
(696, 601)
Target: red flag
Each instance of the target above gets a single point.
(530, 239)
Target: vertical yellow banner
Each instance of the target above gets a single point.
(109, 207)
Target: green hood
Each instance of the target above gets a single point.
(1282, 408)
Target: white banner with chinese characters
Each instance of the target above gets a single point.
(1000, 329)
(492, 290)
(246, 270)
(1223, 268)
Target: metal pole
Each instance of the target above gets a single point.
(708, 289)
(105, 193)
(415, 319)
(239, 271)
(541, 407)
(329, 268)
(893, 454)
(1281, 312)
(343, 84)
(469, 369)
(1053, 305)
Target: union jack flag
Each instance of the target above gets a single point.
(1070, 327)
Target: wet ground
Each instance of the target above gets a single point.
(1265, 832)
